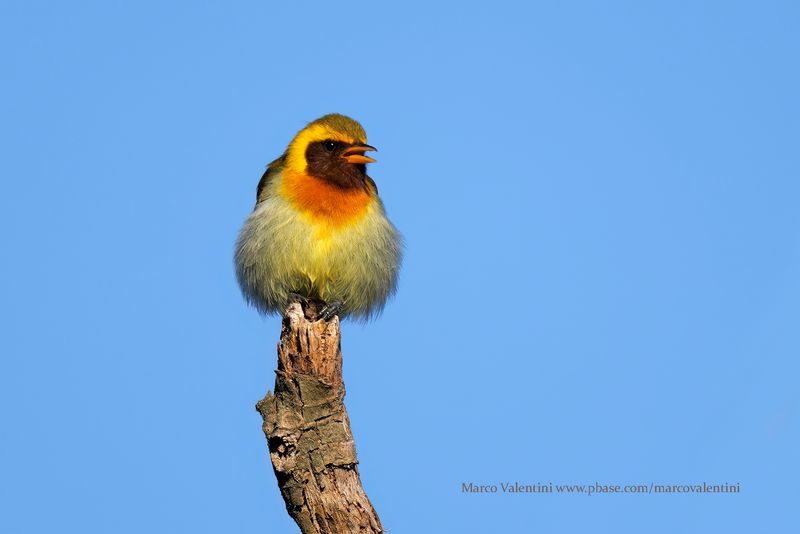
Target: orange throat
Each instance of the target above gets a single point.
(323, 202)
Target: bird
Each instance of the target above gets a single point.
(319, 230)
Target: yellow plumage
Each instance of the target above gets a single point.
(316, 237)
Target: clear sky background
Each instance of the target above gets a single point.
(600, 205)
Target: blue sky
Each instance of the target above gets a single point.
(600, 205)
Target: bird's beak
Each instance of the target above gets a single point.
(355, 154)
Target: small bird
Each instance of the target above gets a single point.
(319, 230)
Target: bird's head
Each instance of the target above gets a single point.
(331, 148)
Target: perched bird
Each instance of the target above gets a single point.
(319, 230)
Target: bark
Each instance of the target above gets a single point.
(308, 431)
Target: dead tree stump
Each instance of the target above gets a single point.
(308, 431)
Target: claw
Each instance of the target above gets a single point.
(330, 310)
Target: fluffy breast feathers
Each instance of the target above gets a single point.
(323, 203)
(307, 236)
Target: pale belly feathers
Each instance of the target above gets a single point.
(281, 250)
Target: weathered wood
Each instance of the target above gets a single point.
(308, 430)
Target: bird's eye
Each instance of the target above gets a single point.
(330, 146)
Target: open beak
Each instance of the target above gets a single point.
(355, 154)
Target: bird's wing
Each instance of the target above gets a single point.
(273, 169)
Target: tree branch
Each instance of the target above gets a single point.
(308, 431)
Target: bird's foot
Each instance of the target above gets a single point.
(329, 310)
